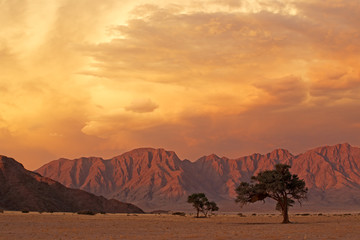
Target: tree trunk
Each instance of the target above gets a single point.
(197, 214)
(284, 209)
(285, 214)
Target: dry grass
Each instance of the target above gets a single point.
(17, 225)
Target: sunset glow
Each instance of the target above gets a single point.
(98, 78)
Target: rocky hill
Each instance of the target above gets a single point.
(158, 179)
(21, 189)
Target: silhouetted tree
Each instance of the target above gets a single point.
(209, 208)
(278, 184)
(202, 204)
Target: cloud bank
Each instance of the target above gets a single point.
(197, 77)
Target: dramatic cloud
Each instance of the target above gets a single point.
(230, 77)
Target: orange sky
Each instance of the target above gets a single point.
(97, 78)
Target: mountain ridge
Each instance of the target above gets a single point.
(155, 178)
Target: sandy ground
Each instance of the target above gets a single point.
(17, 225)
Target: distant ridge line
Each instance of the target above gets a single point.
(152, 178)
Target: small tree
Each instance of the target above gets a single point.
(202, 204)
(278, 184)
(209, 208)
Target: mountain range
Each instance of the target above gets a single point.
(158, 179)
(23, 190)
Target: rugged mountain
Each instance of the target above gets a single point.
(138, 176)
(21, 189)
(155, 178)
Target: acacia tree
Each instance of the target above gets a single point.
(201, 203)
(278, 184)
(209, 208)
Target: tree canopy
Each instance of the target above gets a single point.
(279, 184)
(201, 203)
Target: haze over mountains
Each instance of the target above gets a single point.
(21, 189)
(158, 179)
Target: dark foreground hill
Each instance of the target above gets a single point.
(158, 179)
(21, 189)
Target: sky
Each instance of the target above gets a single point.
(230, 77)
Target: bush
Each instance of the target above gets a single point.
(160, 212)
(179, 213)
(25, 211)
(241, 215)
(86, 212)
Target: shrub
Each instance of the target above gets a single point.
(160, 212)
(25, 211)
(86, 212)
(179, 213)
(130, 214)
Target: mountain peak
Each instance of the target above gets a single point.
(336, 146)
(210, 157)
(343, 145)
(6, 162)
(338, 149)
(280, 154)
(154, 151)
(150, 156)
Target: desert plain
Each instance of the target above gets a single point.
(34, 225)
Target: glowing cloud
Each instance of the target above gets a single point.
(231, 77)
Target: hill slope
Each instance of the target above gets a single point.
(21, 189)
(155, 178)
